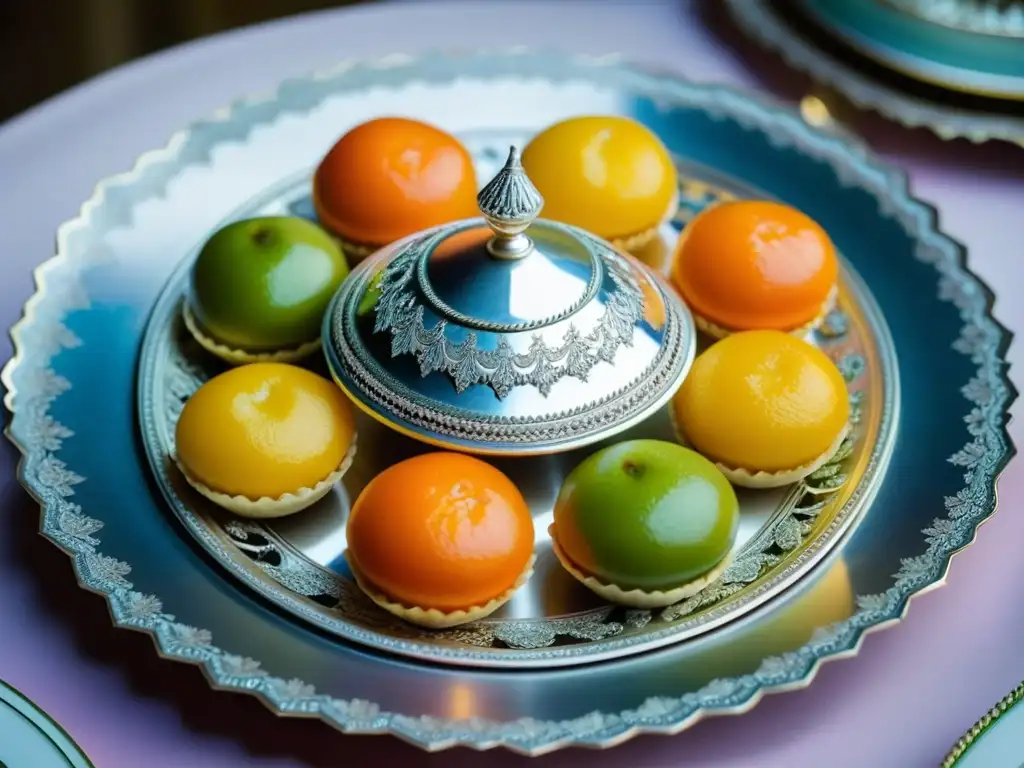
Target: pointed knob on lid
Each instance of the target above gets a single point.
(510, 203)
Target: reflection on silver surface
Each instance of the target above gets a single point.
(298, 562)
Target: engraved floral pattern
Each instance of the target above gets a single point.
(398, 310)
(32, 387)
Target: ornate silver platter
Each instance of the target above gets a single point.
(100, 322)
(298, 563)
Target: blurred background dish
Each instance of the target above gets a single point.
(989, 17)
(996, 739)
(96, 35)
(29, 738)
(828, 42)
(958, 59)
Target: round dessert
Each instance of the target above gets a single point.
(767, 407)
(259, 289)
(266, 439)
(751, 265)
(440, 539)
(608, 175)
(389, 178)
(645, 523)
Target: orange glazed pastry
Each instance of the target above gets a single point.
(755, 265)
(392, 177)
(440, 539)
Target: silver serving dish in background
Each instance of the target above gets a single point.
(507, 334)
(986, 17)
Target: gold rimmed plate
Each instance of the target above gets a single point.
(995, 739)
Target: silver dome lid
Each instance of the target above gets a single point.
(507, 334)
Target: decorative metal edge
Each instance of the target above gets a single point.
(758, 20)
(983, 339)
(983, 723)
(983, 17)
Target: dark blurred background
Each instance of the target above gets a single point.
(49, 45)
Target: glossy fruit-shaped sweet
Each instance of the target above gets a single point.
(442, 530)
(609, 175)
(754, 264)
(264, 430)
(263, 284)
(392, 177)
(763, 401)
(646, 514)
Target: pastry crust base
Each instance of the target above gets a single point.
(718, 332)
(759, 479)
(240, 356)
(432, 618)
(631, 243)
(747, 479)
(353, 252)
(357, 251)
(638, 598)
(266, 508)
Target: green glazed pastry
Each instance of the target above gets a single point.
(260, 287)
(645, 523)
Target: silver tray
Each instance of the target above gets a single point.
(299, 565)
(73, 390)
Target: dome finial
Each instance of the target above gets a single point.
(510, 203)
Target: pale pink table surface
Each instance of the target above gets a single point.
(902, 702)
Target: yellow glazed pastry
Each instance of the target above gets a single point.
(266, 439)
(609, 175)
(767, 407)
